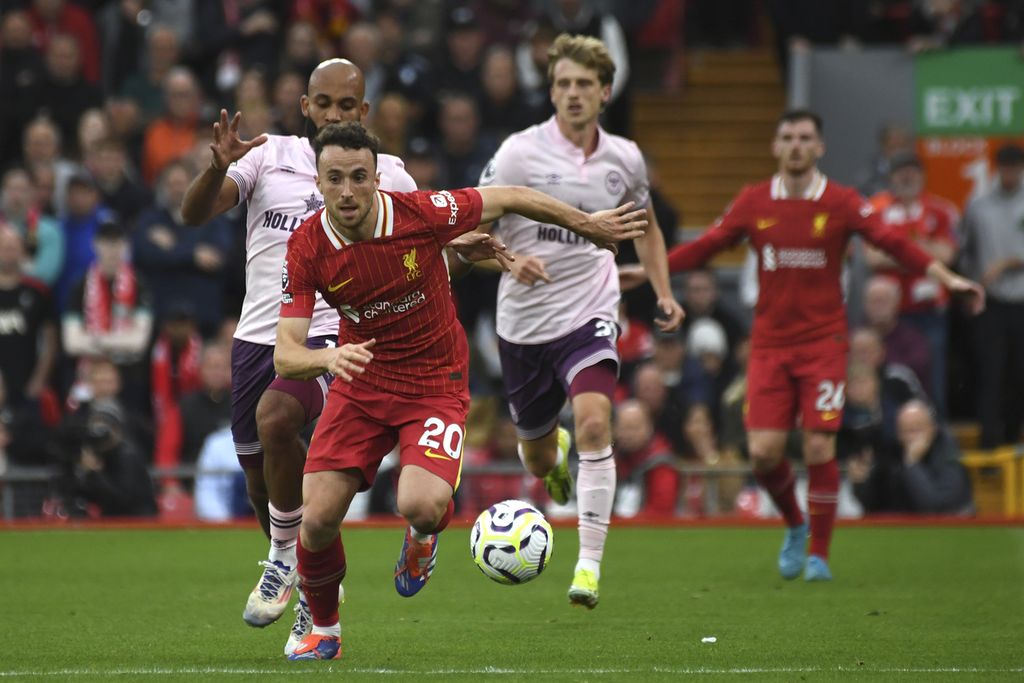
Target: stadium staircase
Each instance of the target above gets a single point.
(713, 137)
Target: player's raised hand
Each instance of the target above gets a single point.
(351, 359)
(227, 146)
(606, 228)
(671, 314)
(529, 270)
(972, 291)
(479, 246)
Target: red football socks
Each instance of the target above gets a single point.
(822, 497)
(778, 482)
(321, 571)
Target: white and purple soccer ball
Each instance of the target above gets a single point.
(511, 542)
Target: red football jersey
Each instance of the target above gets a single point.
(393, 288)
(932, 218)
(800, 243)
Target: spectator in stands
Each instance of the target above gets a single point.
(897, 383)
(500, 450)
(994, 255)
(111, 472)
(109, 313)
(362, 47)
(503, 21)
(861, 434)
(936, 24)
(329, 17)
(288, 118)
(122, 48)
(22, 71)
(232, 37)
(584, 17)
(174, 133)
(184, 262)
(41, 152)
(28, 328)
(220, 482)
(408, 72)
(700, 300)
(923, 475)
(303, 50)
(126, 125)
(718, 491)
(932, 223)
(79, 226)
(42, 237)
(51, 18)
(146, 85)
(903, 343)
(505, 107)
(665, 407)
(532, 62)
(462, 57)
(708, 350)
(173, 372)
(423, 164)
(93, 128)
(63, 94)
(648, 478)
(391, 120)
(208, 408)
(118, 182)
(893, 138)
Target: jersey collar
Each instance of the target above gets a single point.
(385, 226)
(814, 190)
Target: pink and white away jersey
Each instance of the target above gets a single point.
(276, 179)
(585, 282)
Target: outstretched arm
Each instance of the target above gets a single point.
(212, 193)
(294, 360)
(650, 249)
(603, 228)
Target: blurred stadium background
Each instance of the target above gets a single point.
(107, 114)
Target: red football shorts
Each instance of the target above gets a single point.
(359, 426)
(808, 380)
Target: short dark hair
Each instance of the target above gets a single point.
(350, 135)
(794, 115)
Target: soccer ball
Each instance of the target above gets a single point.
(511, 542)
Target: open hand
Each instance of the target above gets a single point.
(350, 359)
(227, 146)
(529, 270)
(480, 246)
(606, 228)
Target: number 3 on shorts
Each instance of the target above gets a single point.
(451, 437)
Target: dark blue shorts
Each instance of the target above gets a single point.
(537, 377)
(252, 373)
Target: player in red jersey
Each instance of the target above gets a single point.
(377, 257)
(799, 223)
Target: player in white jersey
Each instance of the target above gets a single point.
(557, 308)
(275, 176)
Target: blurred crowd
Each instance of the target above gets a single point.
(116, 318)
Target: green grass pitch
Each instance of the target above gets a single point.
(907, 604)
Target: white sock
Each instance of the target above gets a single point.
(418, 537)
(333, 630)
(595, 494)
(284, 534)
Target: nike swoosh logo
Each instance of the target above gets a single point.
(431, 454)
(829, 415)
(765, 223)
(335, 288)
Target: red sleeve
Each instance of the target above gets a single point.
(298, 284)
(868, 223)
(729, 229)
(450, 213)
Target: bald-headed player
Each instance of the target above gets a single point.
(275, 176)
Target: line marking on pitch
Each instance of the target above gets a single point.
(496, 671)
